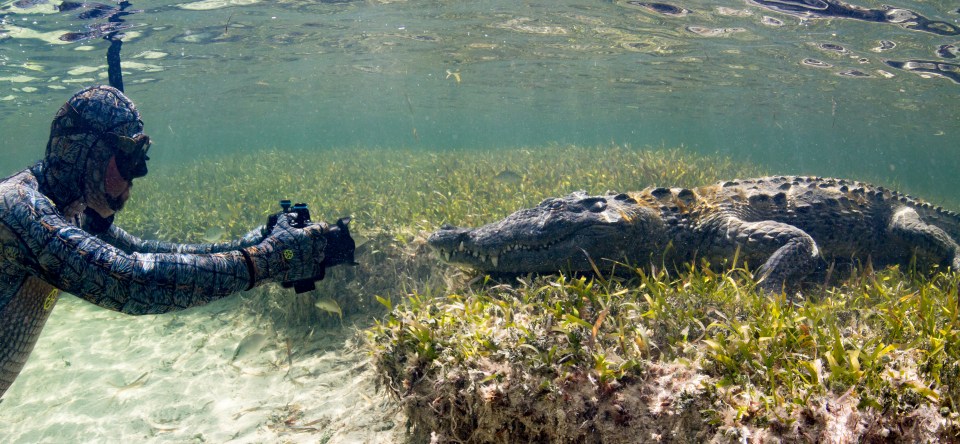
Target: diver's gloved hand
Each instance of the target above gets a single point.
(287, 254)
(254, 236)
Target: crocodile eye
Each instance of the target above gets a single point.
(556, 205)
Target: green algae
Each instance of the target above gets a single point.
(493, 363)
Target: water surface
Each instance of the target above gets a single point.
(773, 82)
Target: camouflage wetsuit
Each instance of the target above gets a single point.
(49, 243)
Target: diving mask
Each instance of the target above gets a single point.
(131, 154)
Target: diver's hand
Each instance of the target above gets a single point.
(254, 236)
(288, 253)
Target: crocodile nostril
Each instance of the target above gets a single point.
(447, 227)
(595, 204)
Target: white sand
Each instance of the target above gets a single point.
(100, 376)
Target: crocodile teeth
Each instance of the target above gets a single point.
(446, 255)
(461, 247)
(495, 259)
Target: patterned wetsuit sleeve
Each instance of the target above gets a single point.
(129, 243)
(136, 283)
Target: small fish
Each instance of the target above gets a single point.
(214, 234)
(508, 176)
(250, 345)
(136, 383)
(330, 306)
(139, 382)
(454, 74)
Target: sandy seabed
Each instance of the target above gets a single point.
(209, 374)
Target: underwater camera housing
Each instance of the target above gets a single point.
(339, 249)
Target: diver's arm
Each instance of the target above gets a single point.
(135, 283)
(129, 243)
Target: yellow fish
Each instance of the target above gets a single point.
(330, 306)
(214, 234)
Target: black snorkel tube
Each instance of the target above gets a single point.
(93, 221)
(113, 52)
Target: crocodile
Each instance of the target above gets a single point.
(781, 227)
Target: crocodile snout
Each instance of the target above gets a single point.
(447, 236)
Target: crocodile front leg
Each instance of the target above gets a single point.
(929, 240)
(787, 251)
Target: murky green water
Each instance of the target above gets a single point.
(728, 76)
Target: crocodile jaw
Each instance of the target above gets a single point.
(468, 247)
(559, 234)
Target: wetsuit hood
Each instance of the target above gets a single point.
(78, 154)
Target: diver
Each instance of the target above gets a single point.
(57, 234)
